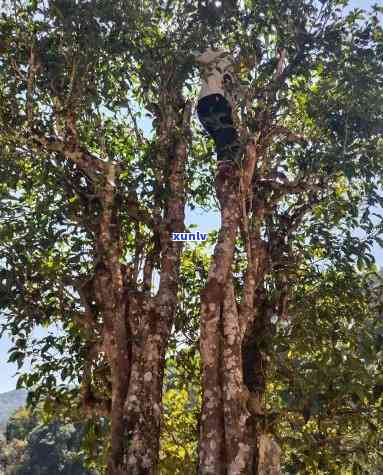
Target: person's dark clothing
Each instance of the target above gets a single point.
(215, 114)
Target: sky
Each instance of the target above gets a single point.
(205, 221)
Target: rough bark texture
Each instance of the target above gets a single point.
(212, 442)
(269, 456)
(154, 318)
(236, 414)
(109, 294)
(226, 446)
(233, 364)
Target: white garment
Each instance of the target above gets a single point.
(217, 68)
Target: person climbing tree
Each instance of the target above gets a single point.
(215, 105)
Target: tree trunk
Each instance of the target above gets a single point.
(109, 288)
(238, 442)
(269, 456)
(151, 320)
(137, 325)
(230, 436)
(124, 323)
(212, 457)
(143, 404)
(254, 350)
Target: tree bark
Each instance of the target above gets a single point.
(134, 325)
(238, 444)
(212, 457)
(152, 320)
(230, 433)
(269, 456)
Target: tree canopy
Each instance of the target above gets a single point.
(264, 336)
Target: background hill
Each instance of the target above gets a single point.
(9, 403)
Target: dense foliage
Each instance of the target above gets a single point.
(88, 201)
(37, 447)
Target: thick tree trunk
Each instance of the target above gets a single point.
(137, 325)
(143, 405)
(109, 289)
(132, 327)
(230, 435)
(238, 443)
(225, 444)
(212, 437)
(151, 320)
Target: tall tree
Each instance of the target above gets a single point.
(89, 203)
(95, 202)
(311, 139)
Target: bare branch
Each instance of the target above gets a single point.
(290, 135)
(90, 164)
(17, 70)
(139, 135)
(282, 55)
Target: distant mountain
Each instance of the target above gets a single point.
(9, 403)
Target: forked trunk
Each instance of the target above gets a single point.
(136, 330)
(231, 439)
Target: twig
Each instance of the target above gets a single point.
(136, 129)
(33, 68)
